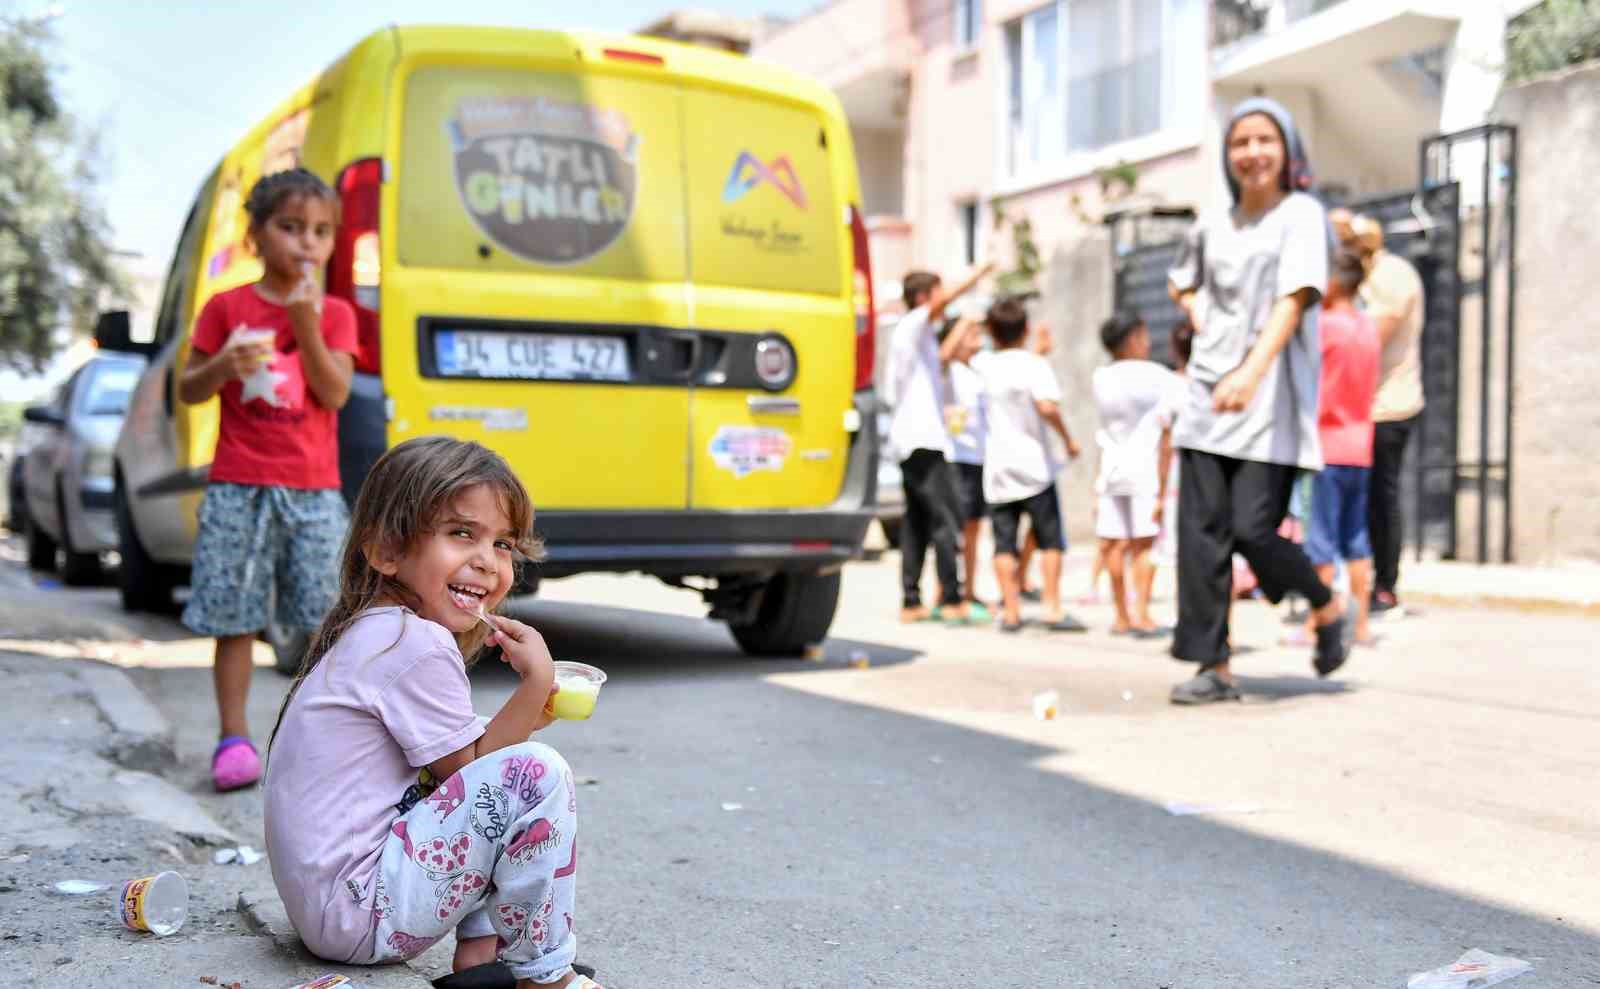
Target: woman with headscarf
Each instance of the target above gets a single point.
(1250, 276)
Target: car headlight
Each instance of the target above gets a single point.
(99, 464)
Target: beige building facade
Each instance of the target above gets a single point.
(971, 115)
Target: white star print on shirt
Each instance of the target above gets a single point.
(262, 383)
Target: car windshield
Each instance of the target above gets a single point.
(109, 391)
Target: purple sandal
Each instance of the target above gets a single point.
(235, 764)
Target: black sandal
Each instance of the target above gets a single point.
(1333, 644)
(491, 975)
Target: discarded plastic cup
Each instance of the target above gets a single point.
(158, 904)
(1046, 705)
(580, 689)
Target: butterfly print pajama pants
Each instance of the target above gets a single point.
(491, 851)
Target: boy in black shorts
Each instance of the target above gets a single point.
(1023, 398)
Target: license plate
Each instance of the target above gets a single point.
(535, 356)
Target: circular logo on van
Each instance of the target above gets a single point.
(550, 181)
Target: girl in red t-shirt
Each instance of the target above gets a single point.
(279, 354)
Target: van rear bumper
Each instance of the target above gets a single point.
(715, 543)
(681, 544)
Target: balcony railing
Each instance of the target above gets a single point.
(1236, 20)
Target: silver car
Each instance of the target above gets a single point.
(67, 477)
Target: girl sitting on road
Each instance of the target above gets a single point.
(393, 814)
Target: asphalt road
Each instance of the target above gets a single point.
(807, 823)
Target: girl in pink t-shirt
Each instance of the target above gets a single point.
(394, 815)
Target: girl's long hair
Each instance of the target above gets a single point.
(399, 504)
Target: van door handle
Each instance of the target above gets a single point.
(767, 405)
(685, 351)
(166, 391)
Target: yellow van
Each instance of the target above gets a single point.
(636, 269)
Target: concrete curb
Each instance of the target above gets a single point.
(263, 915)
(140, 738)
(1505, 602)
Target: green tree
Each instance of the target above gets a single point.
(56, 263)
(1550, 36)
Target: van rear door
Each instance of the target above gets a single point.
(538, 294)
(769, 267)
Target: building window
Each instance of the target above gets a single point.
(967, 216)
(968, 23)
(1084, 74)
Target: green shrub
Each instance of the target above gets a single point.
(1551, 36)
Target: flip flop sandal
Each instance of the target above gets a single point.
(1011, 628)
(235, 764)
(1333, 645)
(497, 975)
(1066, 624)
(1145, 634)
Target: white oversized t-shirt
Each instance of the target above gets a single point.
(916, 388)
(1017, 462)
(1131, 397)
(966, 390)
(1239, 268)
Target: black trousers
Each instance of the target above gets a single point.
(931, 518)
(1227, 505)
(1383, 501)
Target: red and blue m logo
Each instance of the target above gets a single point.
(749, 172)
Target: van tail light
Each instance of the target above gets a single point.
(861, 293)
(354, 269)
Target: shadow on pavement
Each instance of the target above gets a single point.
(741, 832)
(635, 644)
(747, 832)
(1280, 688)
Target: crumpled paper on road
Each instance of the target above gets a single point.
(1473, 970)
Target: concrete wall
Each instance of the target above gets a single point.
(1556, 427)
(880, 159)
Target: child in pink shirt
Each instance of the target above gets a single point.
(1338, 529)
(393, 815)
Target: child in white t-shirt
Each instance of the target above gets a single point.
(1130, 394)
(1018, 472)
(966, 417)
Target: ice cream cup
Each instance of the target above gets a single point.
(580, 688)
(265, 340)
(158, 904)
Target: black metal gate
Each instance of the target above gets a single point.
(1144, 245)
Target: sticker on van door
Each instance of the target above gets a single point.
(747, 449)
(550, 181)
(759, 225)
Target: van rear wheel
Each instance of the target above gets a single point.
(289, 643)
(796, 610)
(41, 547)
(77, 569)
